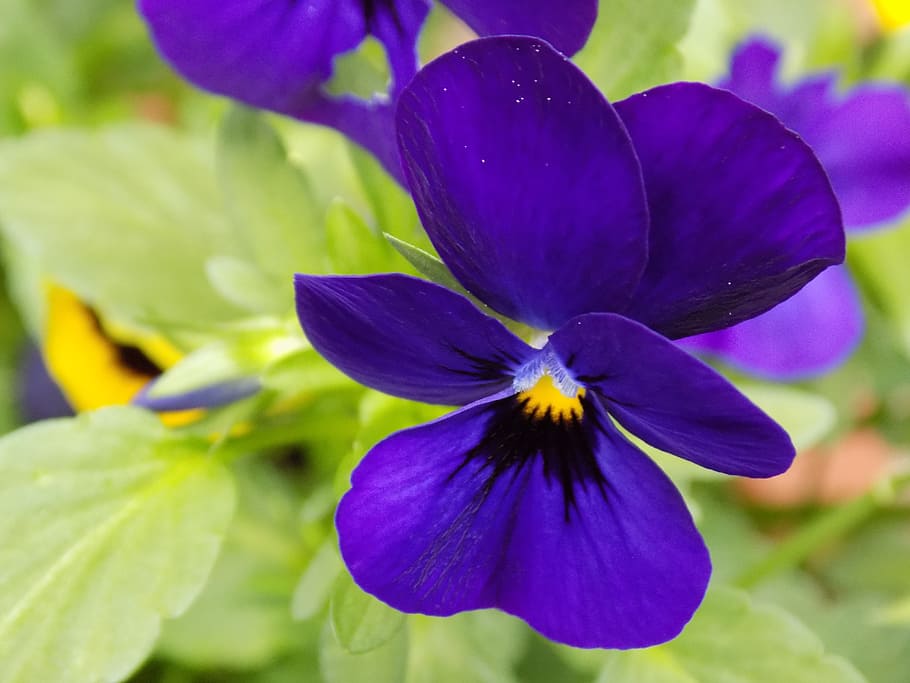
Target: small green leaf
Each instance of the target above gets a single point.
(426, 264)
(807, 418)
(134, 218)
(107, 524)
(361, 623)
(731, 638)
(242, 354)
(631, 49)
(316, 584)
(271, 205)
(385, 664)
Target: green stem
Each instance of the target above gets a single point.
(826, 527)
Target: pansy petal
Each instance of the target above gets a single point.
(38, 395)
(670, 399)
(742, 213)
(565, 25)
(396, 25)
(808, 334)
(211, 396)
(461, 514)
(408, 337)
(267, 53)
(525, 180)
(862, 137)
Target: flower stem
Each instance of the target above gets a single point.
(826, 527)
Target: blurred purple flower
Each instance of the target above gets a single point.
(862, 138)
(680, 210)
(277, 54)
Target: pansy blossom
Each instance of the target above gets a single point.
(862, 138)
(278, 54)
(609, 229)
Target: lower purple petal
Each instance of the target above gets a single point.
(462, 514)
(807, 335)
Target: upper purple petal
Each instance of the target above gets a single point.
(566, 25)
(463, 513)
(525, 180)
(267, 53)
(670, 399)
(808, 334)
(742, 213)
(862, 137)
(408, 337)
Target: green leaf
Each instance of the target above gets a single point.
(107, 524)
(361, 623)
(633, 45)
(244, 285)
(732, 638)
(133, 219)
(304, 372)
(880, 259)
(807, 417)
(277, 218)
(315, 585)
(241, 619)
(384, 664)
(475, 647)
(353, 247)
(391, 206)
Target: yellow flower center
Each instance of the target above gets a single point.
(545, 401)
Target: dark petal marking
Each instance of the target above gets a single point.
(513, 438)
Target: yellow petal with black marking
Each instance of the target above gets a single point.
(893, 14)
(92, 368)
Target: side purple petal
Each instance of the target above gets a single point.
(862, 137)
(668, 398)
(408, 337)
(436, 523)
(525, 180)
(565, 25)
(810, 333)
(742, 213)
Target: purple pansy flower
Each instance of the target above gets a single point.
(277, 54)
(863, 140)
(677, 211)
